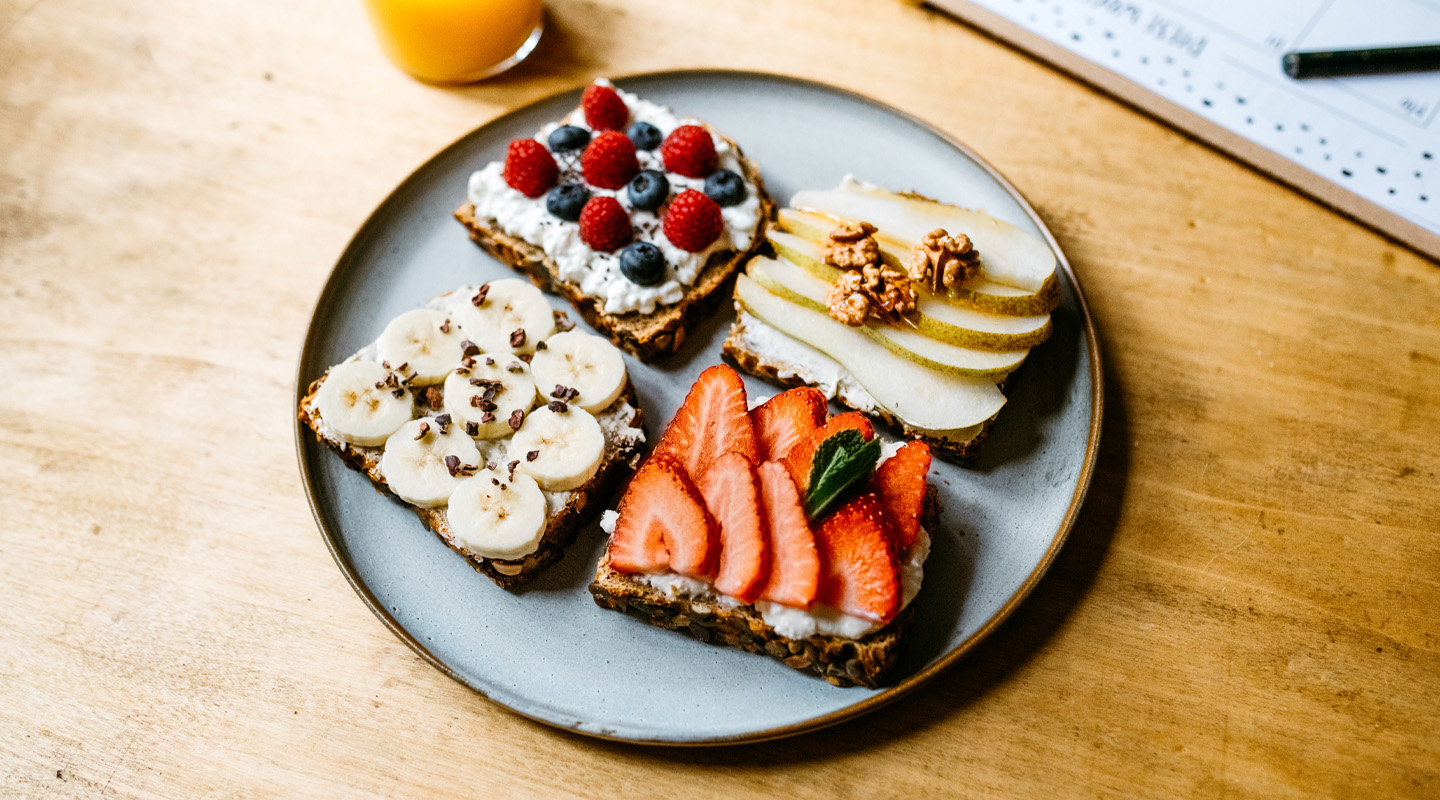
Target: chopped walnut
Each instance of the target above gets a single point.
(851, 246)
(847, 301)
(853, 231)
(942, 261)
(892, 296)
(875, 291)
(868, 288)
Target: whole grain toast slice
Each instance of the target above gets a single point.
(580, 505)
(647, 336)
(841, 661)
(776, 370)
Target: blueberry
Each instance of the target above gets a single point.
(568, 137)
(644, 135)
(642, 263)
(725, 187)
(649, 189)
(566, 200)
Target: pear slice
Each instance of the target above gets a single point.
(963, 327)
(938, 318)
(803, 253)
(800, 287)
(922, 398)
(1008, 255)
(808, 231)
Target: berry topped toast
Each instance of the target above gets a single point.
(906, 309)
(490, 417)
(638, 217)
(775, 530)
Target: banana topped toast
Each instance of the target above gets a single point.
(492, 418)
(775, 530)
(907, 309)
(638, 217)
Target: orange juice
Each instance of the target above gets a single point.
(456, 41)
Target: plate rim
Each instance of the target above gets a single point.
(874, 701)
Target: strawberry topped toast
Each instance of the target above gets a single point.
(638, 217)
(775, 530)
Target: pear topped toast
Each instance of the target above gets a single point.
(904, 308)
(638, 217)
(492, 418)
(774, 529)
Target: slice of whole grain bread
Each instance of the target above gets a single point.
(841, 661)
(580, 506)
(645, 335)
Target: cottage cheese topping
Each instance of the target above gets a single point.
(598, 274)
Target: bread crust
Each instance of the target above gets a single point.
(583, 504)
(841, 661)
(645, 336)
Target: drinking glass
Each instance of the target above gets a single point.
(456, 41)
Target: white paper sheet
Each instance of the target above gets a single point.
(1376, 136)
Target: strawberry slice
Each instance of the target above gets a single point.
(713, 419)
(860, 574)
(733, 498)
(663, 522)
(795, 563)
(785, 419)
(900, 482)
(801, 456)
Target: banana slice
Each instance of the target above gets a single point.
(511, 316)
(363, 402)
(495, 517)
(583, 362)
(417, 462)
(484, 396)
(426, 341)
(560, 449)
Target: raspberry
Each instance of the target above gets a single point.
(604, 110)
(693, 221)
(529, 167)
(689, 151)
(609, 161)
(604, 225)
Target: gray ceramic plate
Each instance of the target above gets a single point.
(548, 652)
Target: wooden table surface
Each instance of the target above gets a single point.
(1248, 606)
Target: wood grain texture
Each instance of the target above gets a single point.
(1247, 607)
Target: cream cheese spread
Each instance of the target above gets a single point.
(598, 274)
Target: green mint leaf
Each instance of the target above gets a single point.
(841, 463)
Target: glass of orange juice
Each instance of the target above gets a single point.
(456, 41)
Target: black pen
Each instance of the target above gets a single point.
(1368, 61)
